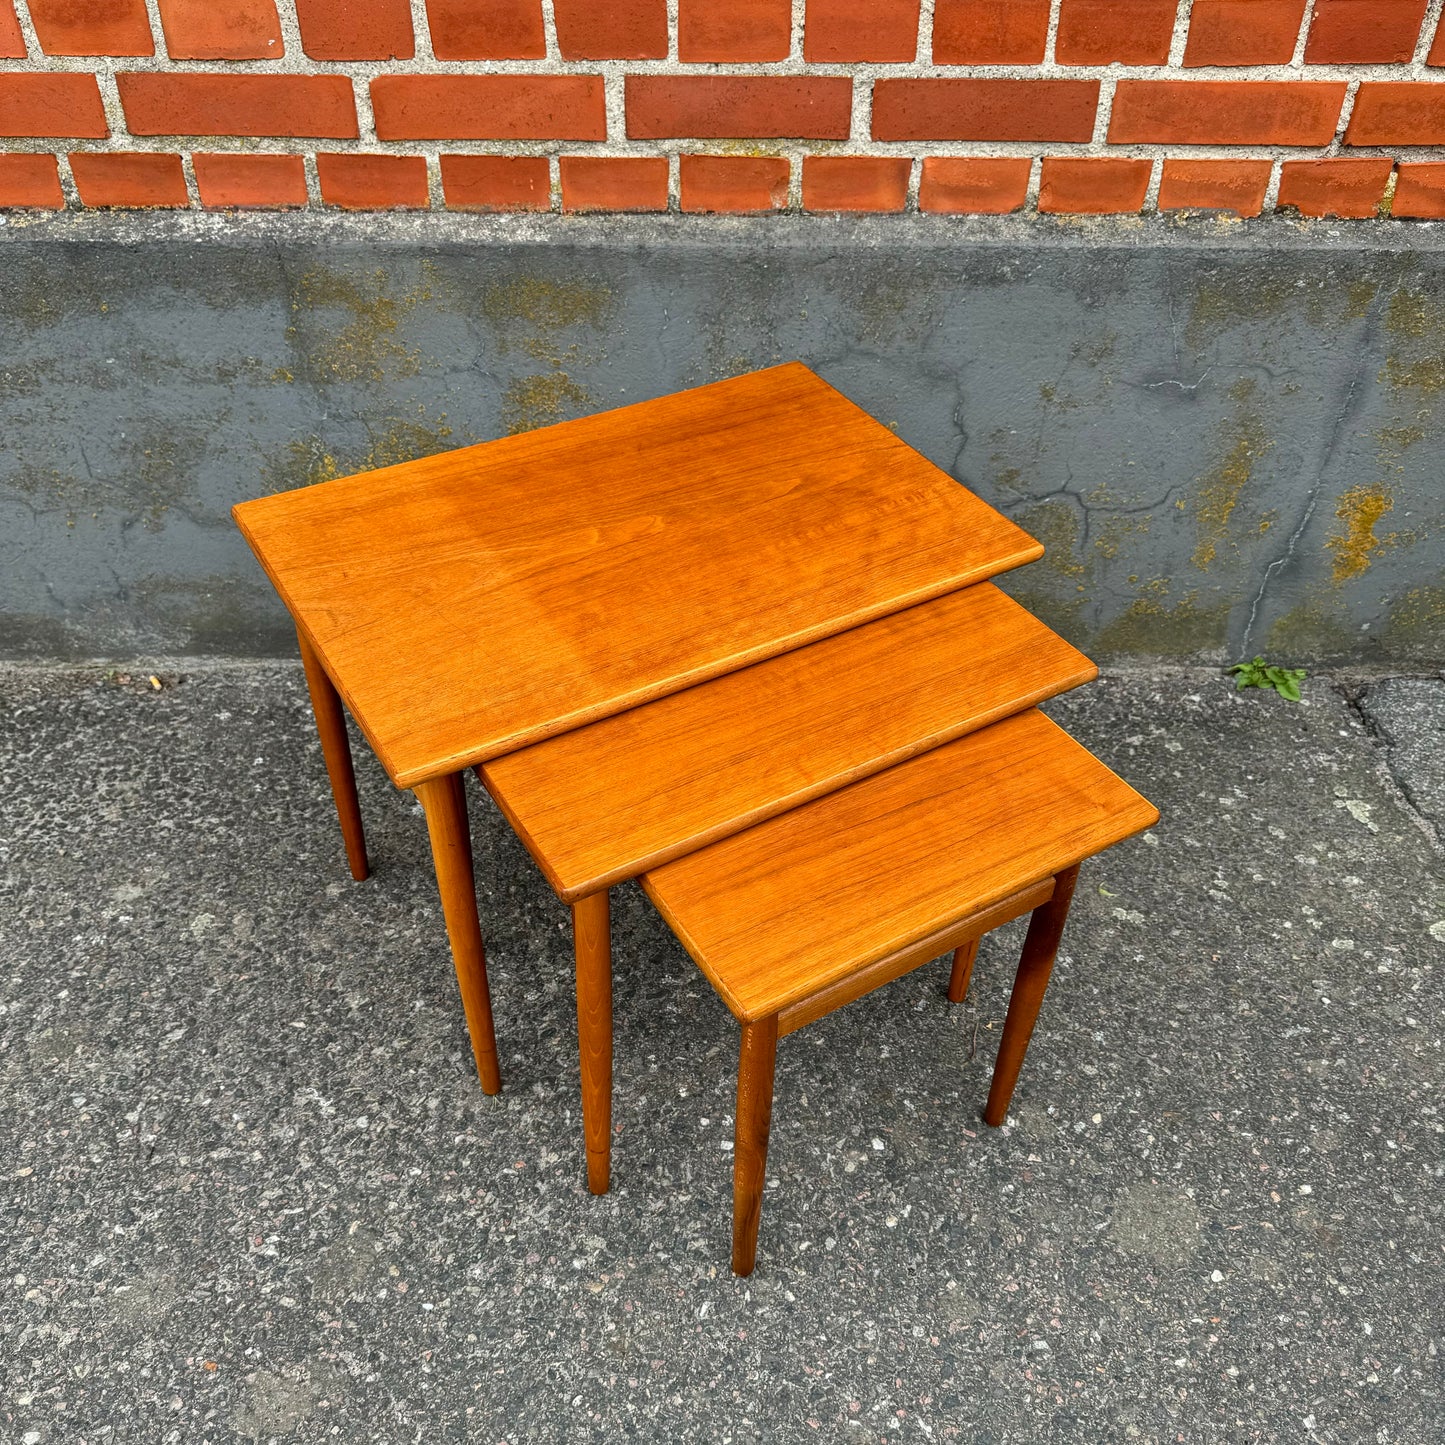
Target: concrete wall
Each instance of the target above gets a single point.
(1228, 436)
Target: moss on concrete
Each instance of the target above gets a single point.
(1220, 490)
(1056, 525)
(1150, 627)
(365, 349)
(532, 401)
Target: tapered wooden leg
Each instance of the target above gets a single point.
(336, 749)
(445, 802)
(963, 957)
(756, 1058)
(1035, 965)
(592, 939)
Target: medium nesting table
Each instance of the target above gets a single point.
(467, 605)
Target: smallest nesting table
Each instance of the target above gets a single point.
(801, 915)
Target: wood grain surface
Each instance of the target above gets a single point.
(609, 801)
(785, 909)
(470, 603)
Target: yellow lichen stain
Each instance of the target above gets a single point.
(397, 440)
(1267, 521)
(533, 401)
(365, 348)
(532, 313)
(1416, 317)
(308, 464)
(1395, 441)
(1355, 545)
(1244, 388)
(1220, 491)
(1011, 479)
(283, 374)
(1426, 375)
(1056, 525)
(1243, 298)
(1051, 396)
(547, 307)
(1414, 313)
(405, 441)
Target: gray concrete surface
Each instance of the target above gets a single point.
(1407, 714)
(253, 1192)
(1225, 433)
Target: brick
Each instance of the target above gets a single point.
(50, 102)
(1397, 113)
(720, 107)
(990, 32)
(1243, 32)
(356, 29)
(1419, 190)
(12, 42)
(1375, 32)
(496, 183)
(855, 183)
(607, 183)
(1087, 186)
(130, 179)
(733, 31)
(1226, 112)
(489, 107)
(1021, 110)
(853, 30)
(1437, 47)
(358, 182)
(180, 103)
(30, 181)
(231, 181)
(486, 29)
(1099, 32)
(618, 30)
(955, 185)
(1199, 185)
(92, 27)
(1351, 188)
(733, 183)
(237, 30)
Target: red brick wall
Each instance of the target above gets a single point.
(1333, 107)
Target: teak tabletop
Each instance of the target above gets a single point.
(623, 796)
(468, 604)
(875, 867)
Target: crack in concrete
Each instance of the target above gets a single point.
(1356, 697)
(1342, 416)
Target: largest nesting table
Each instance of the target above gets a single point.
(469, 605)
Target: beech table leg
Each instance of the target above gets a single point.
(756, 1059)
(336, 749)
(445, 802)
(963, 957)
(592, 939)
(1035, 965)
